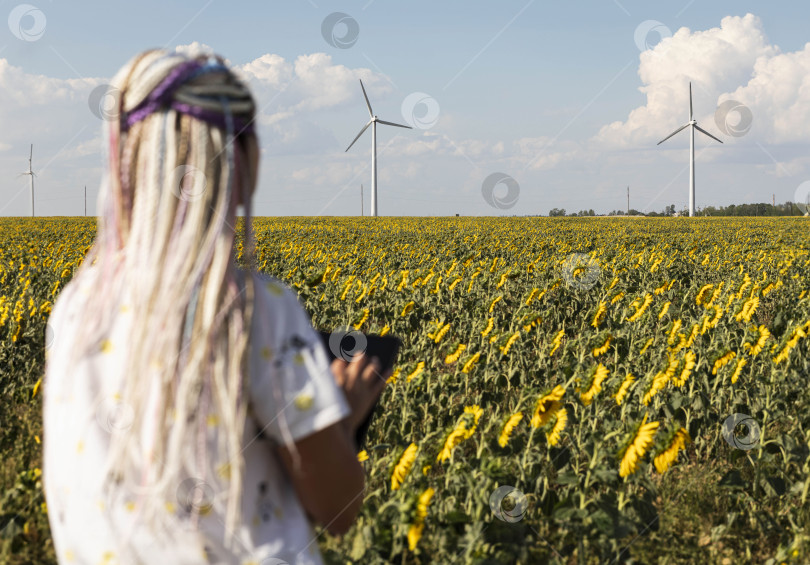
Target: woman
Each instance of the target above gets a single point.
(190, 412)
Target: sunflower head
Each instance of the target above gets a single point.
(635, 446)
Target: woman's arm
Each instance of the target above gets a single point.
(330, 481)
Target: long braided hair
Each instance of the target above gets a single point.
(180, 154)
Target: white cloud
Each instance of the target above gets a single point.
(311, 83)
(24, 90)
(196, 48)
(778, 96)
(732, 62)
(269, 70)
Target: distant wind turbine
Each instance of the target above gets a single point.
(373, 123)
(30, 172)
(694, 126)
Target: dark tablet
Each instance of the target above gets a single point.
(347, 344)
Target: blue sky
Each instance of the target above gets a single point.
(547, 93)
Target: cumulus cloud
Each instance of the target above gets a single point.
(734, 61)
(310, 83)
(25, 90)
(42, 104)
(196, 48)
(778, 96)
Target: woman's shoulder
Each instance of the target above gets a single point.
(276, 298)
(268, 285)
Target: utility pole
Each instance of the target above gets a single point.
(628, 200)
(85, 200)
(361, 200)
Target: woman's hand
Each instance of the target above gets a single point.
(362, 384)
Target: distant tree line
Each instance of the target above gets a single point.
(761, 209)
(561, 212)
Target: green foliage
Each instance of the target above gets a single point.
(715, 503)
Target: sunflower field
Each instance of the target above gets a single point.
(588, 390)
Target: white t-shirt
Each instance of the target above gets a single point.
(82, 409)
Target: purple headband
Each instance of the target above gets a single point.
(162, 95)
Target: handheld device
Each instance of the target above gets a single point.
(347, 344)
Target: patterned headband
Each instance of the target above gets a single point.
(162, 97)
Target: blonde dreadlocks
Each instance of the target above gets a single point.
(181, 153)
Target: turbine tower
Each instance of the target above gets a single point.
(694, 126)
(31, 174)
(373, 123)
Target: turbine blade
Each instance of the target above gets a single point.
(393, 124)
(690, 101)
(368, 104)
(365, 127)
(673, 133)
(700, 129)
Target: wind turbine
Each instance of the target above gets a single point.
(694, 126)
(373, 123)
(32, 175)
